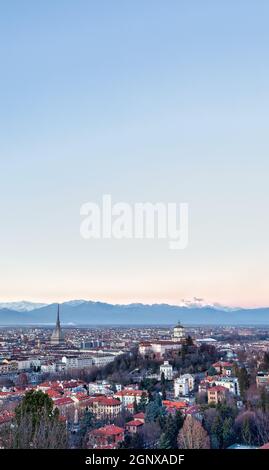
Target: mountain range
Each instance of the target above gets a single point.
(83, 312)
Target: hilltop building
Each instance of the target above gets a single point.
(178, 332)
(159, 348)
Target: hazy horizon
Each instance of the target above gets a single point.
(192, 303)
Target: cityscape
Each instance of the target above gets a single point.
(134, 260)
(148, 387)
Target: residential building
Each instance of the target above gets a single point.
(231, 383)
(129, 397)
(167, 370)
(223, 368)
(134, 426)
(183, 385)
(216, 394)
(262, 379)
(105, 407)
(107, 437)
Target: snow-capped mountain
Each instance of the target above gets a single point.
(197, 302)
(101, 313)
(22, 306)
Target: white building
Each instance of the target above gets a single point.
(77, 362)
(158, 348)
(231, 383)
(48, 367)
(183, 385)
(167, 370)
(101, 360)
(24, 364)
(128, 397)
(178, 332)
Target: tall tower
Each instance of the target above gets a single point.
(57, 336)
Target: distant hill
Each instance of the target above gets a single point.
(79, 312)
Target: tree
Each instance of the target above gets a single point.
(37, 425)
(252, 427)
(163, 386)
(86, 424)
(151, 434)
(35, 404)
(133, 441)
(193, 435)
(243, 380)
(173, 424)
(189, 341)
(246, 431)
(227, 432)
(22, 380)
(164, 442)
(141, 406)
(265, 364)
(216, 431)
(154, 410)
(212, 371)
(218, 422)
(264, 400)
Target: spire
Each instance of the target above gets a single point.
(58, 317)
(57, 336)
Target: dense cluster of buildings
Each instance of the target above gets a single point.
(37, 359)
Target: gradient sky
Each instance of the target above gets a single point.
(148, 100)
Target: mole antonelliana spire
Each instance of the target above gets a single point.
(57, 336)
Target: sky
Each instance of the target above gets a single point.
(147, 101)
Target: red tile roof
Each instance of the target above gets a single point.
(137, 393)
(223, 364)
(134, 422)
(109, 430)
(175, 404)
(139, 416)
(106, 401)
(6, 416)
(53, 393)
(63, 401)
(217, 388)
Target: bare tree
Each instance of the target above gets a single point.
(47, 434)
(193, 435)
(151, 433)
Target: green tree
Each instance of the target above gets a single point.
(243, 380)
(141, 406)
(172, 426)
(87, 423)
(163, 386)
(164, 442)
(212, 371)
(37, 424)
(36, 404)
(154, 410)
(189, 341)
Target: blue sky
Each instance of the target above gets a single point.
(148, 101)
